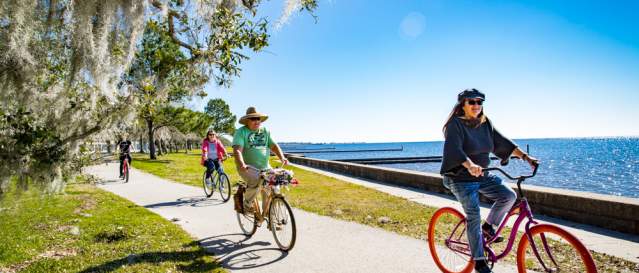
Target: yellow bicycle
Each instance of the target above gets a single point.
(277, 211)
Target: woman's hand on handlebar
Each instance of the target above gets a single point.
(284, 161)
(533, 162)
(474, 169)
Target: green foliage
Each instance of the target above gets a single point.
(160, 74)
(183, 119)
(220, 113)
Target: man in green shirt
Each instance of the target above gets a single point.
(252, 146)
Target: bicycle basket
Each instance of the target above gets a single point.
(279, 177)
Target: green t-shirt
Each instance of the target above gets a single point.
(256, 146)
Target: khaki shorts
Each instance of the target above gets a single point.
(252, 183)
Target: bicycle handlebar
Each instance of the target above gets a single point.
(519, 178)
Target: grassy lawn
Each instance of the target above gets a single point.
(339, 199)
(316, 193)
(90, 230)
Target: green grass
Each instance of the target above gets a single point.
(316, 193)
(339, 199)
(114, 235)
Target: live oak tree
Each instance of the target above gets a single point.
(63, 65)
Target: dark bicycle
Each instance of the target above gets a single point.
(217, 180)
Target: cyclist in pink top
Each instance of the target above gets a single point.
(213, 153)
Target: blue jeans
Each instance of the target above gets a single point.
(467, 194)
(211, 165)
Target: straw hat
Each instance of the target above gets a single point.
(252, 113)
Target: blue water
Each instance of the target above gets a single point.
(600, 165)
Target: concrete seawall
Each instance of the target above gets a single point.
(607, 211)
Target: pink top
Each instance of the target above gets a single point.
(205, 149)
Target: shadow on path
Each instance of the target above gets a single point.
(110, 181)
(193, 201)
(235, 253)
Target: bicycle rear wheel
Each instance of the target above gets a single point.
(448, 243)
(224, 186)
(559, 251)
(207, 184)
(282, 223)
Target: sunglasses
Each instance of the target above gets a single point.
(255, 119)
(475, 102)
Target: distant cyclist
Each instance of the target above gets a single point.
(213, 153)
(124, 146)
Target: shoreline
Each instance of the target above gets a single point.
(606, 211)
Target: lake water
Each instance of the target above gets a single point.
(601, 165)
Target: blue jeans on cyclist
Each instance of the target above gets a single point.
(213, 165)
(467, 193)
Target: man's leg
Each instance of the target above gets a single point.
(251, 184)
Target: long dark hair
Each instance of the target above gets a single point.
(458, 111)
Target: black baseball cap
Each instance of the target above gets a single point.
(471, 94)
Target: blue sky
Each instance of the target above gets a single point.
(379, 71)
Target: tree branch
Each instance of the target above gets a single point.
(98, 126)
(171, 13)
(52, 5)
(84, 134)
(158, 127)
(195, 52)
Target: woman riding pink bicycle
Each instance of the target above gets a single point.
(469, 139)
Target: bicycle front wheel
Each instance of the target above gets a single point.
(282, 223)
(224, 186)
(553, 249)
(207, 184)
(448, 242)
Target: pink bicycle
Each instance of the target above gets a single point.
(542, 247)
(125, 169)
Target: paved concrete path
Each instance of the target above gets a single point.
(617, 244)
(323, 244)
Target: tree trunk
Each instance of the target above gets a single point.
(161, 144)
(149, 124)
(141, 144)
(108, 144)
(158, 145)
